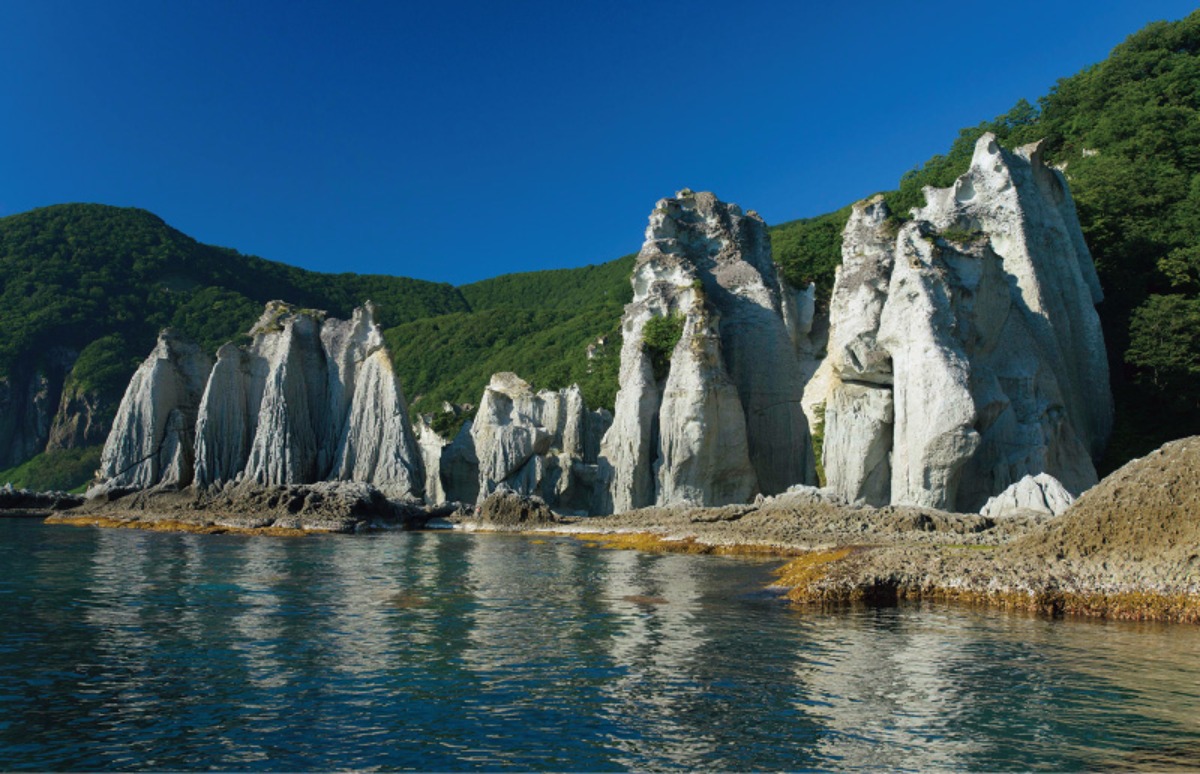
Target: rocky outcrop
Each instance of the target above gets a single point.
(84, 418)
(965, 352)
(26, 502)
(309, 399)
(152, 437)
(713, 417)
(541, 443)
(451, 465)
(324, 506)
(505, 510)
(29, 399)
(1039, 495)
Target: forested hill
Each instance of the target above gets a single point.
(74, 273)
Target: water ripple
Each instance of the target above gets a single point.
(132, 650)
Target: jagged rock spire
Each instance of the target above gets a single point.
(716, 419)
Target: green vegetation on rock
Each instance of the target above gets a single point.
(659, 337)
(452, 357)
(810, 250)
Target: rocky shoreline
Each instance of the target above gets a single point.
(1129, 548)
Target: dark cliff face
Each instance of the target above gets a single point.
(83, 419)
(29, 406)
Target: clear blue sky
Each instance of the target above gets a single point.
(457, 141)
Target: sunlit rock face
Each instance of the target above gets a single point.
(542, 443)
(717, 418)
(151, 441)
(1041, 495)
(965, 351)
(309, 399)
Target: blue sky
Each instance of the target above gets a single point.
(458, 141)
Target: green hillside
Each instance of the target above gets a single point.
(76, 273)
(536, 324)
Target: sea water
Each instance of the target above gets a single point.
(124, 649)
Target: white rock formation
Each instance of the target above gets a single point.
(228, 418)
(431, 444)
(151, 441)
(1042, 495)
(721, 419)
(542, 443)
(309, 399)
(965, 351)
(368, 416)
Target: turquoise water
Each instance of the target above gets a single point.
(122, 649)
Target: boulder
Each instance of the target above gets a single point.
(1042, 495)
(505, 509)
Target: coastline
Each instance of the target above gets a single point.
(1128, 549)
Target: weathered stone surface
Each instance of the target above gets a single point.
(459, 471)
(431, 443)
(542, 443)
(327, 506)
(965, 351)
(151, 438)
(292, 429)
(1041, 494)
(704, 450)
(310, 399)
(375, 442)
(228, 417)
(724, 421)
(505, 509)
(83, 419)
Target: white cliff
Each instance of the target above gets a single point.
(965, 351)
(718, 418)
(309, 399)
(151, 441)
(541, 443)
(368, 413)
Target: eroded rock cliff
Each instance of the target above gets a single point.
(152, 440)
(713, 417)
(309, 399)
(965, 351)
(542, 443)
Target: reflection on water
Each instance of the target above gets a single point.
(133, 650)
